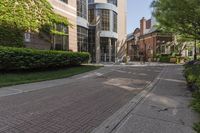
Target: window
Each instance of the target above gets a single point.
(114, 2)
(82, 39)
(65, 1)
(104, 49)
(90, 1)
(61, 42)
(115, 22)
(91, 18)
(82, 8)
(105, 19)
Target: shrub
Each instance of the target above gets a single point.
(197, 127)
(192, 73)
(165, 58)
(28, 59)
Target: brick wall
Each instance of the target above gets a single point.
(37, 42)
(149, 44)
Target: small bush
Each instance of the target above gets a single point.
(28, 59)
(192, 73)
(165, 58)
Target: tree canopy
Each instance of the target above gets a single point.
(179, 16)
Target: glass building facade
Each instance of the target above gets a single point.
(115, 22)
(82, 39)
(105, 19)
(82, 31)
(92, 16)
(108, 49)
(105, 30)
(82, 8)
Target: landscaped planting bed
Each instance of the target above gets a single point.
(30, 59)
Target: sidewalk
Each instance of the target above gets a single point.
(164, 110)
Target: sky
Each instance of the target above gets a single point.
(136, 10)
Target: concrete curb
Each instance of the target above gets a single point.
(113, 121)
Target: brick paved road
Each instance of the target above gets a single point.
(75, 107)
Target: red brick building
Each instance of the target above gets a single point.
(147, 40)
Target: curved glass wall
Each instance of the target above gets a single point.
(92, 16)
(82, 8)
(105, 19)
(107, 23)
(115, 22)
(82, 39)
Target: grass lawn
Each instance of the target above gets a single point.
(15, 78)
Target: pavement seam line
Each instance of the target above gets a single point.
(114, 121)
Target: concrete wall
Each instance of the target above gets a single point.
(122, 17)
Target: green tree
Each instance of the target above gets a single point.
(179, 16)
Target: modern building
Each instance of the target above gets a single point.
(82, 25)
(98, 27)
(148, 40)
(107, 31)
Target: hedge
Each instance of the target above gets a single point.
(28, 59)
